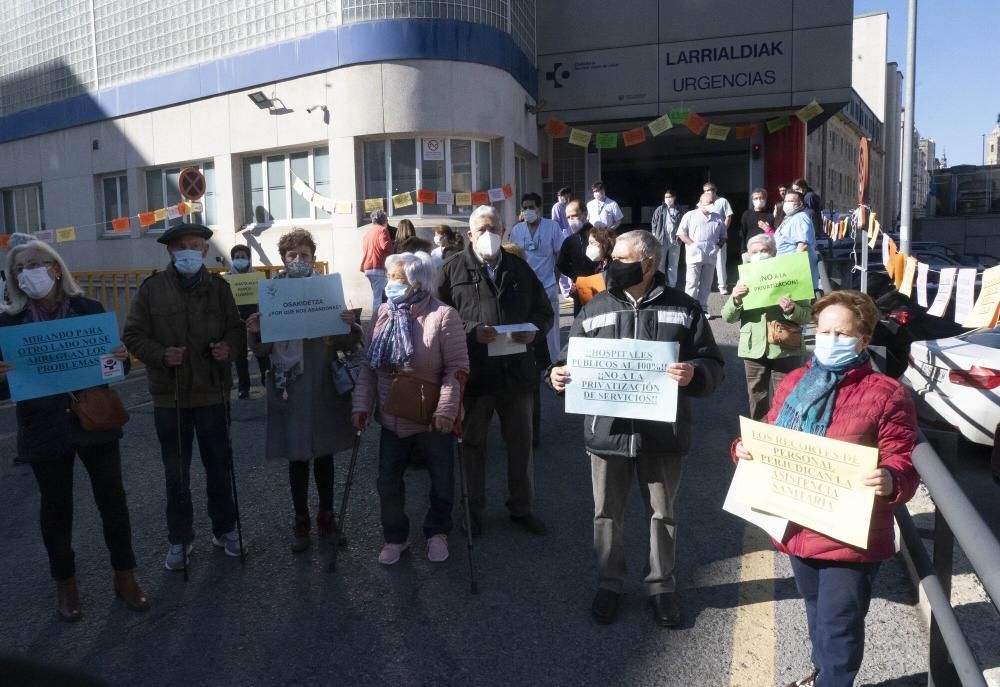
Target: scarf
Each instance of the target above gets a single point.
(810, 405)
(39, 314)
(392, 348)
(286, 364)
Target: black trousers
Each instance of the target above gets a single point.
(209, 423)
(298, 480)
(55, 483)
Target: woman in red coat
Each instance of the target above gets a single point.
(840, 396)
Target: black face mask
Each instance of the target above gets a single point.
(624, 275)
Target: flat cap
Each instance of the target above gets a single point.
(174, 233)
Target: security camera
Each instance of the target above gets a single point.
(313, 108)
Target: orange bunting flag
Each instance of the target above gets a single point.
(120, 225)
(147, 219)
(696, 123)
(4, 241)
(182, 208)
(556, 128)
(746, 131)
(481, 198)
(426, 196)
(507, 191)
(634, 136)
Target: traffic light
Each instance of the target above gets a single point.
(755, 151)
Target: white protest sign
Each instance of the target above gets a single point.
(622, 378)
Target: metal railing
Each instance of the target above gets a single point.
(950, 660)
(116, 289)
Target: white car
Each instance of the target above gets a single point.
(957, 381)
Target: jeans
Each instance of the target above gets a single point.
(699, 282)
(393, 456)
(514, 409)
(55, 484)
(659, 477)
(298, 480)
(209, 422)
(378, 280)
(837, 596)
(763, 376)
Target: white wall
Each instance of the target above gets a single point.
(870, 52)
(418, 97)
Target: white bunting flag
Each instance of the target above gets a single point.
(496, 195)
(173, 212)
(445, 198)
(946, 283)
(922, 270)
(965, 294)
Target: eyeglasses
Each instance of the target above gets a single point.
(18, 268)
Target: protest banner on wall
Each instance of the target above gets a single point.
(304, 308)
(62, 355)
(622, 378)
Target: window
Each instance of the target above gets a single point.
(22, 209)
(114, 196)
(162, 192)
(269, 193)
(400, 165)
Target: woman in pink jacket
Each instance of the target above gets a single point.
(413, 335)
(840, 396)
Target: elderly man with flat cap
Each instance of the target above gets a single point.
(184, 325)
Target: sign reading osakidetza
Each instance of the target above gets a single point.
(304, 308)
(622, 378)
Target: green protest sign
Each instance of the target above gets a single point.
(769, 280)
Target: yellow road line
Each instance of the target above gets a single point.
(755, 631)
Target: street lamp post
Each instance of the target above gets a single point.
(906, 209)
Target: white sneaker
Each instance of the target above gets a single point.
(391, 552)
(175, 556)
(437, 548)
(230, 542)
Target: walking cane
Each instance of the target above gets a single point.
(180, 458)
(223, 392)
(462, 378)
(335, 540)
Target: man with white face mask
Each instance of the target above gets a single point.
(721, 206)
(666, 219)
(603, 211)
(703, 231)
(541, 240)
(183, 325)
(489, 287)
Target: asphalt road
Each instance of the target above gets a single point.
(283, 620)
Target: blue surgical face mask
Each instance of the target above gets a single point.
(240, 264)
(832, 350)
(396, 289)
(188, 261)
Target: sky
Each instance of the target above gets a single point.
(958, 69)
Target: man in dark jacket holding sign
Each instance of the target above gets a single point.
(490, 287)
(639, 305)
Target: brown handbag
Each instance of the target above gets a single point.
(99, 409)
(787, 335)
(411, 398)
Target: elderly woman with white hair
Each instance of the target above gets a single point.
(416, 352)
(771, 342)
(50, 437)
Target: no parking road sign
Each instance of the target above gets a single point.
(191, 183)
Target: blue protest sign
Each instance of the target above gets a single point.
(61, 355)
(304, 308)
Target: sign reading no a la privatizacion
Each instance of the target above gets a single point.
(622, 378)
(58, 356)
(303, 308)
(770, 280)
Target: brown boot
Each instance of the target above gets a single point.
(128, 590)
(326, 525)
(68, 600)
(300, 535)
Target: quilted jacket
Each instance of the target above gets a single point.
(871, 409)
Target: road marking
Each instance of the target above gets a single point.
(755, 631)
